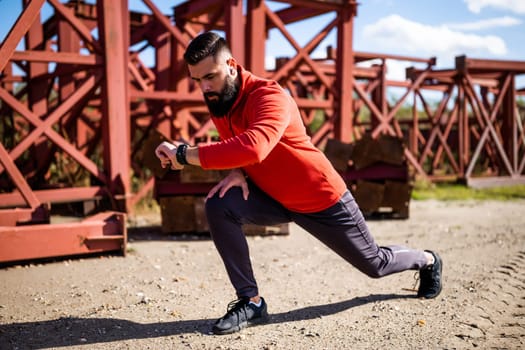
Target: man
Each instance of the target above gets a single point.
(277, 176)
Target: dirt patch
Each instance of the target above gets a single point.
(169, 290)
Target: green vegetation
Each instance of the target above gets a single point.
(462, 192)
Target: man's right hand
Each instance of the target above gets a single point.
(234, 178)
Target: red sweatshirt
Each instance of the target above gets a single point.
(264, 135)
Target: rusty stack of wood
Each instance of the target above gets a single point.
(377, 173)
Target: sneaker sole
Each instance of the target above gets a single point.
(246, 324)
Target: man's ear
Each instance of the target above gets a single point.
(232, 65)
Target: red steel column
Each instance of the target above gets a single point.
(509, 124)
(179, 83)
(463, 130)
(114, 34)
(344, 68)
(234, 19)
(69, 41)
(255, 37)
(164, 74)
(37, 88)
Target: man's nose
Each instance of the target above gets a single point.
(205, 86)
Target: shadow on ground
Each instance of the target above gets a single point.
(72, 331)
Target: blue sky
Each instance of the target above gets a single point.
(489, 29)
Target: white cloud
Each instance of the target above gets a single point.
(516, 6)
(399, 35)
(269, 62)
(396, 70)
(505, 21)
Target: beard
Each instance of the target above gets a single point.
(225, 99)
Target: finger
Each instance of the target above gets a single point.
(224, 189)
(245, 191)
(161, 152)
(213, 191)
(158, 152)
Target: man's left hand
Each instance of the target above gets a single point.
(167, 154)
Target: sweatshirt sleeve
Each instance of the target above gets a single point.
(264, 118)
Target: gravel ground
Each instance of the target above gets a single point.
(169, 290)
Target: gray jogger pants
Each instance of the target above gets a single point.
(341, 227)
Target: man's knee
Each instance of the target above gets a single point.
(374, 273)
(226, 204)
(372, 268)
(212, 204)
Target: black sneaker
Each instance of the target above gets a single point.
(241, 314)
(430, 278)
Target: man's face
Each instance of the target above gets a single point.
(217, 80)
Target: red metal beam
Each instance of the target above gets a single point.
(18, 179)
(56, 57)
(24, 216)
(332, 5)
(235, 23)
(361, 56)
(464, 64)
(345, 80)
(104, 232)
(113, 22)
(43, 127)
(255, 37)
(56, 195)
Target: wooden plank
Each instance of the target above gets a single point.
(386, 149)
(92, 235)
(369, 195)
(397, 197)
(339, 153)
(177, 214)
(195, 174)
(260, 230)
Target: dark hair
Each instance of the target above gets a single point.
(205, 45)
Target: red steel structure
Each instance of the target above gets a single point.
(477, 128)
(78, 104)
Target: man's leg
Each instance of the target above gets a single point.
(343, 229)
(225, 218)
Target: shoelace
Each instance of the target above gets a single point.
(416, 281)
(235, 305)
